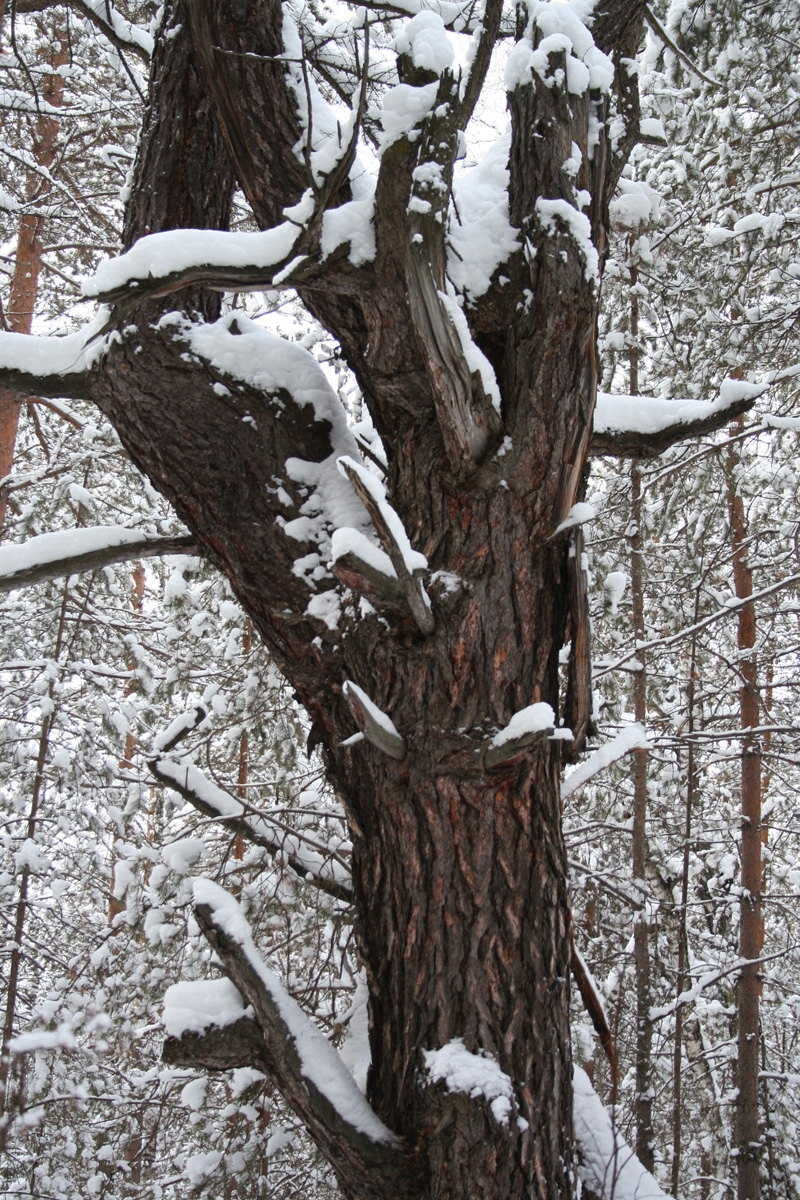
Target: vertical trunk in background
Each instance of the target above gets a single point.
(683, 942)
(24, 283)
(644, 1031)
(748, 1143)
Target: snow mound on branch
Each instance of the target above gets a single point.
(536, 718)
(474, 1074)
(606, 1163)
(64, 543)
(68, 355)
(482, 237)
(196, 1006)
(562, 30)
(652, 414)
(424, 39)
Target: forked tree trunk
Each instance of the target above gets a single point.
(459, 869)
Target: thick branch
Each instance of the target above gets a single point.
(219, 1048)
(372, 1169)
(92, 560)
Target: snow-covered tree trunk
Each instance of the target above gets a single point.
(445, 656)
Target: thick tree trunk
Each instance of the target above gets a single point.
(459, 867)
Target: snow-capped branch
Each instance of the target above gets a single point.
(315, 864)
(119, 31)
(308, 1070)
(408, 564)
(594, 1005)
(632, 738)
(646, 426)
(377, 728)
(72, 551)
(511, 743)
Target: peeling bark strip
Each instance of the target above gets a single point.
(458, 873)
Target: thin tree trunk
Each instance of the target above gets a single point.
(748, 1140)
(12, 990)
(644, 1029)
(24, 283)
(683, 941)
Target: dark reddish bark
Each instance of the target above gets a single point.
(27, 263)
(459, 872)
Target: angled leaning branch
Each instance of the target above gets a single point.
(306, 1067)
(20, 566)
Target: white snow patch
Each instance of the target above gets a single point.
(355, 1051)
(413, 560)
(377, 714)
(631, 738)
(59, 1039)
(579, 514)
(651, 414)
(614, 585)
(405, 107)
(536, 718)
(66, 355)
(319, 1061)
(424, 39)
(192, 1007)
(474, 1074)
(351, 223)
(483, 236)
(161, 254)
(579, 228)
(607, 1165)
(353, 541)
(64, 543)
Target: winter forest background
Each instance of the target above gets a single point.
(97, 851)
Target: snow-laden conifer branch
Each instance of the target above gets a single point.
(73, 551)
(378, 729)
(409, 565)
(105, 17)
(307, 1069)
(646, 426)
(311, 861)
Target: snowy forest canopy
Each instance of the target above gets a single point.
(156, 766)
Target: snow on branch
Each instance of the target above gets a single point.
(306, 1067)
(409, 565)
(378, 729)
(161, 263)
(646, 426)
(71, 551)
(310, 861)
(632, 738)
(607, 1166)
(525, 727)
(53, 366)
(121, 32)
